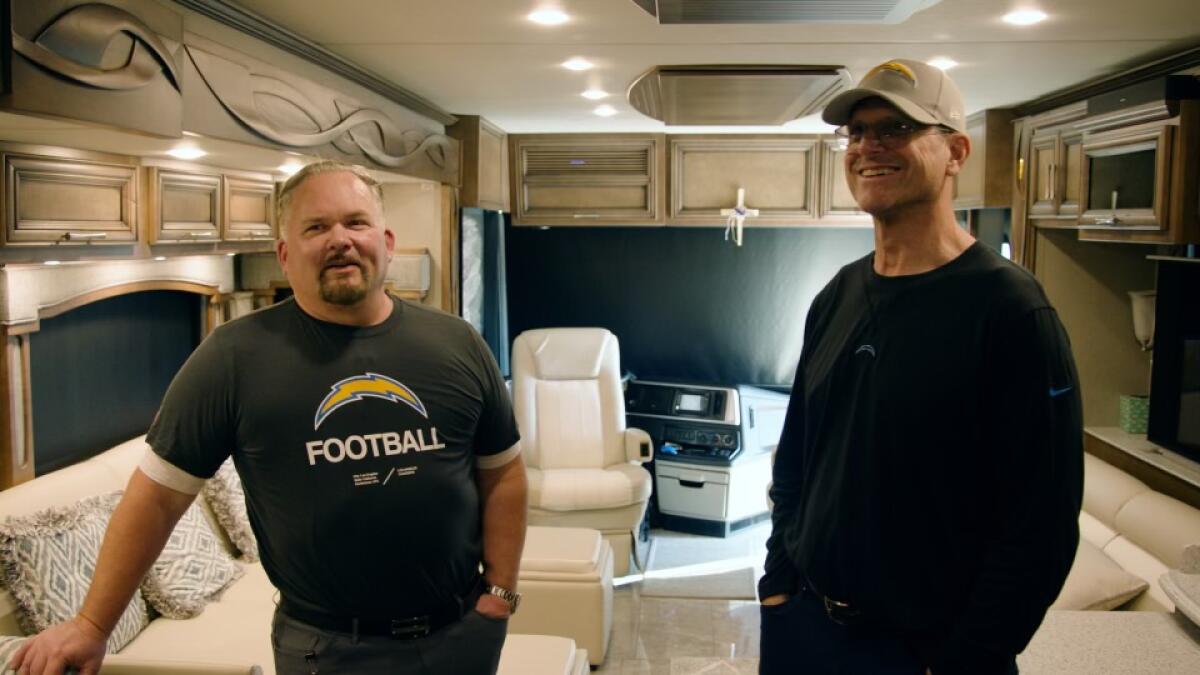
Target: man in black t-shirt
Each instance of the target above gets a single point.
(928, 481)
(377, 447)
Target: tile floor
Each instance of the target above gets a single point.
(668, 636)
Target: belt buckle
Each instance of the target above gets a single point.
(411, 628)
(839, 612)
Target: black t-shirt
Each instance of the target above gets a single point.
(930, 469)
(356, 447)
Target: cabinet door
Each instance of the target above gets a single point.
(836, 202)
(1043, 163)
(1125, 175)
(183, 206)
(778, 175)
(1071, 160)
(587, 179)
(65, 201)
(249, 209)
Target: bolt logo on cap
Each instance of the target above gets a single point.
(895, 67)
(367, 385)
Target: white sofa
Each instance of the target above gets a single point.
(1130, 536)
(232, 635)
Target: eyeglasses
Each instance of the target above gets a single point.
(891, 133)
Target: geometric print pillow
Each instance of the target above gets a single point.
(225, 497)
(9, 644)
(47, 560)
(192, 569)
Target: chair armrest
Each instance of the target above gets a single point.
(115, 664)
(638, 446)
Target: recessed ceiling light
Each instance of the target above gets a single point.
(186, 152)
(549, 16)
(290, 167)
(191, 133)
(230, 255)
(1025, 17)
(160, 258)
(943, 63)
(577, 63)
(605, 111)
(52, 262)
(594, 94)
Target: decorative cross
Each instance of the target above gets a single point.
(737, 218)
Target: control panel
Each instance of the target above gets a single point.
(688, 422)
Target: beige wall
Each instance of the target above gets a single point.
(413, 212)
(1088, 283)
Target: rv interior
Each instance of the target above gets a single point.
(636, 196)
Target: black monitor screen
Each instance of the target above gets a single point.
(1189, 395)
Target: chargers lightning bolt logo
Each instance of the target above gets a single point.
(367, 385)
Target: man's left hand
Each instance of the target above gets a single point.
(492, 607)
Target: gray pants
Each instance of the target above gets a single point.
(470, 646)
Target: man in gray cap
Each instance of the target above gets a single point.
(928, 481)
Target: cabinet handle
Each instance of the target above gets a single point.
(84, 236)
(695, 484)
(1053, 182)
(261, 235)
(199, 235)
(585, 215)
(1107, 220)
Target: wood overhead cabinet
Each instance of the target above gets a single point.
(1141, 182)
(60, 197)
(484, 163)
(1054, 162)
(836, 203)
(985, 181)
(188, 206)
(587, 179)
(778, 174)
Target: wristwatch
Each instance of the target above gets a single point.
(511, 597)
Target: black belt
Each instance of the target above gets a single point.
(403, 628)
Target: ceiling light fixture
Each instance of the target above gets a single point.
(230, 255)
(186, 152)
(52, 262)
(943, 63)
(594, 94)
(1025, 17)
(577, 64)
(548, 16)
(605, 111)
(290, 167)
(160, 258)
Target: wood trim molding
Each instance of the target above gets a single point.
(122, 289)
(257, 26)
(450, 234)
(1182, 60)
(16, 454)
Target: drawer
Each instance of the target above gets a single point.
(693, 494)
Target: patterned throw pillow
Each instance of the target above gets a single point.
(225, 497)
(9, 644)
(193, 569)
(47, 560)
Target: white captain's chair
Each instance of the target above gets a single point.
(583, 464)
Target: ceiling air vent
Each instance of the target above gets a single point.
(735, 94)
(783, 11)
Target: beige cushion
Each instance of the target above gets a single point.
(1161, 525)
(1095, 532)
(1106, 489)
(1139, 562)
(561, 551)
(192, 569)
(1096, 582)
(581, 489)
(47, 560)
(227, 500)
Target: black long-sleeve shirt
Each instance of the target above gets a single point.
(930, 468)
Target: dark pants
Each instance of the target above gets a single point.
(798, 637)
(469, 646)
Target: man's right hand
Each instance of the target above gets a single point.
(76, 643)
(778, 599)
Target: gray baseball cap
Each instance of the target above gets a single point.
(920, 91)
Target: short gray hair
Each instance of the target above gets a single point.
(284, 200)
